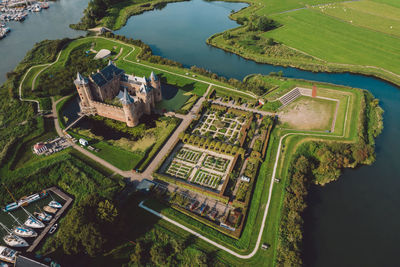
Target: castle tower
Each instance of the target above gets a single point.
(145, 90)
(82, 86)
(156, 84)
(128, 106)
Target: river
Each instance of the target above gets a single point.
(351, 222)
(48, 24)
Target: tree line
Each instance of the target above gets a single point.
(321, 163)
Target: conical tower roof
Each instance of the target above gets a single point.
(126, 99)
(80, 79)
(153, 77)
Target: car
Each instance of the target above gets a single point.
(194, 205)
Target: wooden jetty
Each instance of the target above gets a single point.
(68, 201)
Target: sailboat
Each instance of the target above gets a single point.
(22, 230)
(32, 222)
(55, 204)
(12, 240)
(7, 254)
(43, 216)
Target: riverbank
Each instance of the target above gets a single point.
(117, 14)
(252, 45)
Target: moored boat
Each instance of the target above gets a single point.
(22, 230)
(32, 222)
(53, 229)
(43, 216)
(49, 209)
(55, 204)
(12, 240)
(8, 254)
(24, 201)
(15, 241)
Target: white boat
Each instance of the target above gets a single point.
(50, 209)
(32, 222)
(15, 241)
(22, 230)
(25, 201)
(43, 216)
(12, 240)
(8, 254)
(55, 204)
(53, 229)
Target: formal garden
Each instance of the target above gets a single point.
(207, 179)
(179, 170)
(221, 125)
(198, 166)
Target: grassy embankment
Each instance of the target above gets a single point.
(360, 37)
(257, 205)
(118, 153)
(247, 241)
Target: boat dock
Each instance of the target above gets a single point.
(68, 201)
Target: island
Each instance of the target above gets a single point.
(221, 167)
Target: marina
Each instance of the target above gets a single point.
(17, 11)
(25, 227)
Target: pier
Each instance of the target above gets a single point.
(68, 201)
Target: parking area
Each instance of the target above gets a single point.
(50, 146)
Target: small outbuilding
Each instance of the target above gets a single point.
(103, 53)
(145, 186)
(245, 178)
(39, 148)
(83, 142)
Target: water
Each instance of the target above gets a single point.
(36, 206)
(48, 24)
(351, 222)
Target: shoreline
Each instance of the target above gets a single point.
(366, 71)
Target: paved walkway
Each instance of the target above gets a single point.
(82, 150)
(253, 110)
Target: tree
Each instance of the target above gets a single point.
(218, 146)
(107, 211)
(270, 41)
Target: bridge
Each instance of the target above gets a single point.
(74, 122)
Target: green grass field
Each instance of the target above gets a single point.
(361, 36)
(337, 41)
(371, 15)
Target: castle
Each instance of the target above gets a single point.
(137, 95)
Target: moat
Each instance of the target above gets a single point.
(349, 222)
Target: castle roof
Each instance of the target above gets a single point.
(144, 88)
(80, 79)
(106, 74)
(126, 99)
(153, 76)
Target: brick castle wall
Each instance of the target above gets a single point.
(109, 111)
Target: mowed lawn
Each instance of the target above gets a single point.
(372, 15)
(337, 41)
(277, 6)
(306, 113)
